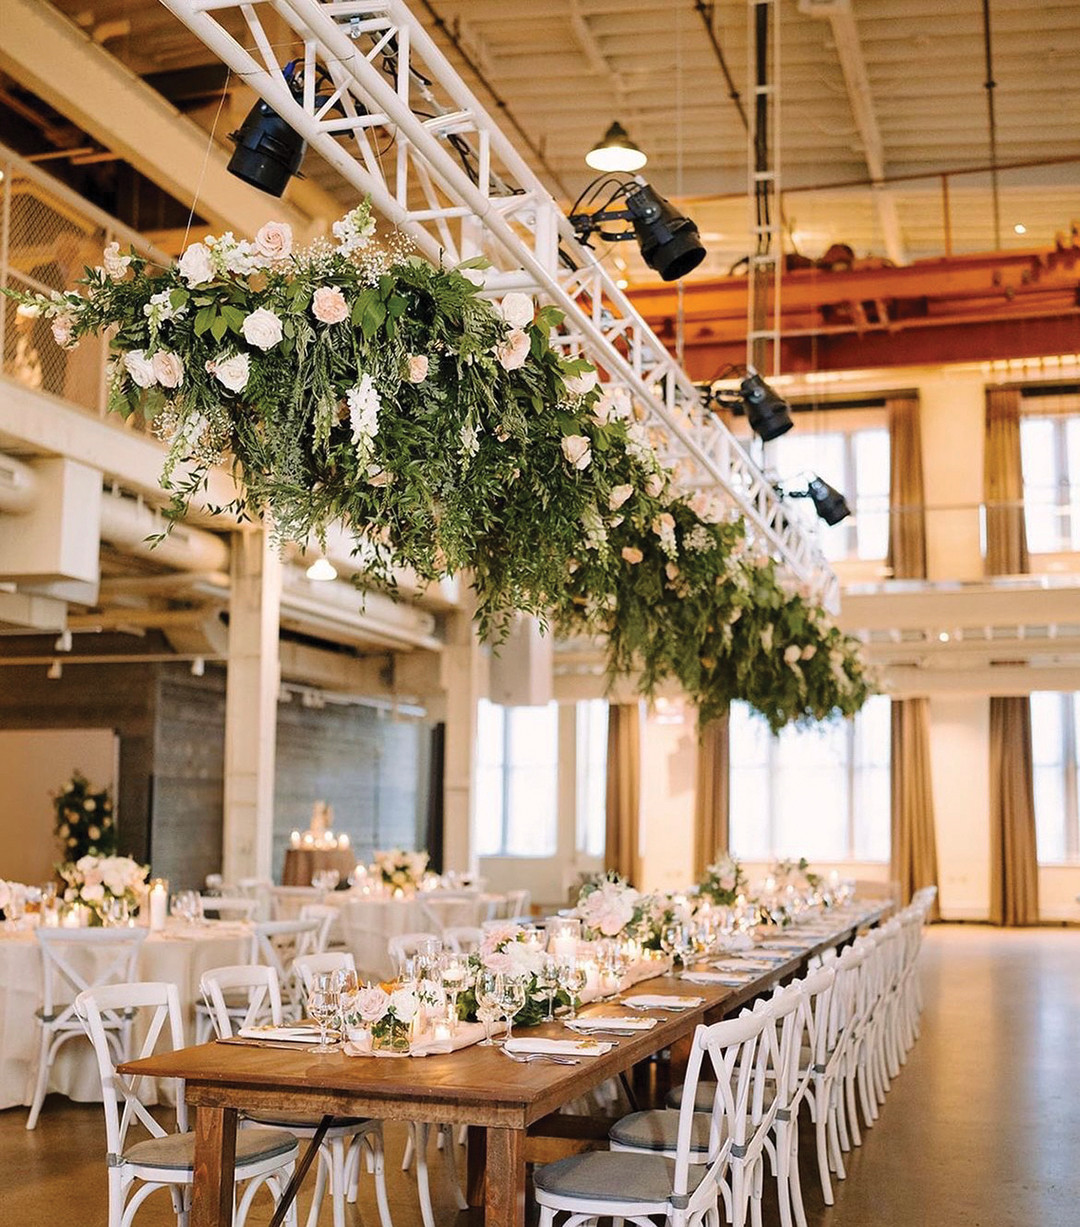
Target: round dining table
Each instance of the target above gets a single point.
(179, 954)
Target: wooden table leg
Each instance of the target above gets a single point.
(477, 1162)
(215, 1163)
(504, 1201)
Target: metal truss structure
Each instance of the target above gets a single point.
(457, 187)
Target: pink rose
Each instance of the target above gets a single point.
(577, 451)
(274, 241)
(329, 305)
(632, 554)
(513, 351)
(372, 1003)
(618, 496)
(498, 962)
(168, 368)
(61, 328)
(418, 368)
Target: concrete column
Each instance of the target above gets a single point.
(953, 427)
(464, 681)
(251, 707)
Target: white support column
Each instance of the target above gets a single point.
(251, 707)
(464, 680)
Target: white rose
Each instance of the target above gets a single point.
(93, 892)
(169, 372)
(140, 368)
(418, 368)
(654, 485)
(513, 351)
(404, 1002)
(116, 265)
(618, 496)
(583, 384)
(517, 309)
(28, 310)
(372, 1003)
(475, 275)
(262, 328)
(274, 241)
(233, 372)
(195, 265)
(577, 451)
(809, 652)
(62, 326)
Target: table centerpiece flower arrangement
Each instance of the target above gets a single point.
(723, 882)
(357, 384)
(84, 819)
(390, 1012)
(93, 880)
(511, 951)
(400, 869)
(608, 906)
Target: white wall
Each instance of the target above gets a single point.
(668, 781)
(35, 764)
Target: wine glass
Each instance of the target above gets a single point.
(323, 1005)
(455, 973)
(572, 977)
(488, 1003)
(547, 981)
(347, 986)
(511, 999)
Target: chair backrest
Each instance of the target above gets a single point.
(405, 944)
(64, 975)
(94, 1006)
(463, 939)
(259, 982)
(325, 915)
(816, 990)
(229, 907)
(730, 1047)
(308, 966)
(277, 943)
(778, 1055)
(517, 903)
(286, 901)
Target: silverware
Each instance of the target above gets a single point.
(283, 1044)
(527, 1058)
(603, 1030)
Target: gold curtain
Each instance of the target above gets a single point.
(623, 789)
(711, 796)
(907, 516)
(914, 846)
(1003, 485)
(1014, 866)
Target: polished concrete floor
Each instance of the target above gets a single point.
(982, 1128)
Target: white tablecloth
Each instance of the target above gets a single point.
(179, 955)
(367, 922)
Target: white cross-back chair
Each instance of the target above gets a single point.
(308, 966)
(405, 945)
(229, 907)
(325, 915)
(260, 890)
(347, 1137)
(665, 1162)
(66, 953)
(277, 944)
(463, 939)
(166, 1160)
(517, 904)
(286, 901)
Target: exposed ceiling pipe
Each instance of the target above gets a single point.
(128, 523)
(18, 486)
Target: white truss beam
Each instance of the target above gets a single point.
(385, 68)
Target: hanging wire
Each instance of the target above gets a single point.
(206, 154)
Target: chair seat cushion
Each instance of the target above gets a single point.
(658, 1129)
(703, 1097)
(614, 1175)
(176, 1151)
(297, 1120)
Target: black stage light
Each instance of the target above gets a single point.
(268, 151)
(828, 502)
(668, 239)
(768, 413)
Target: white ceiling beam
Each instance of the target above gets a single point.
(590, 48)
(63, 66)
(853, 65)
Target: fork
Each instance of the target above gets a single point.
(526, 1058)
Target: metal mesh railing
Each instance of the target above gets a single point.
(48, 235)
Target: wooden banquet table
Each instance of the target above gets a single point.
(505, 1103)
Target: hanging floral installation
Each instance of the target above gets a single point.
(356, 383)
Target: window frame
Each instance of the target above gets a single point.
(1069, 752)
(1057, 408)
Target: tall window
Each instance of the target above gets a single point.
(1050, 454)
(1055, 745)
(591, 799)
(517, 780)
(822, 792)
(856, 462)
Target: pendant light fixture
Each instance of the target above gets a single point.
(616, 152)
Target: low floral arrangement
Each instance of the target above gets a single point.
(11, 892)
(91, 880)
(400, 869)
(84, 819)
(508, 951)
(658, 910)
(355, 384)
(797, 874)
(608, 905)
(390, 1012)
(723, 881)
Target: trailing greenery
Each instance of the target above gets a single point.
(354, 384)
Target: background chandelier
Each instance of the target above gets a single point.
(615, 151)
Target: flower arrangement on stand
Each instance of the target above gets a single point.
(607, 905)
(85, 824)
(351, 383)
(96, 882)
(401, 870)
(723, 882)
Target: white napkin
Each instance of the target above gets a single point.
(359, 1042)
(560, 1048)
(737, 941)
(741, 965)
(643, 1001)
(717, 977)
(297, 1035)
(614, 1022)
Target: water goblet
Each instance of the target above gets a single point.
(455, 973)
(512, 999)
(547, 981)
(572, 977)
(488, 1003)
(323, 1005)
